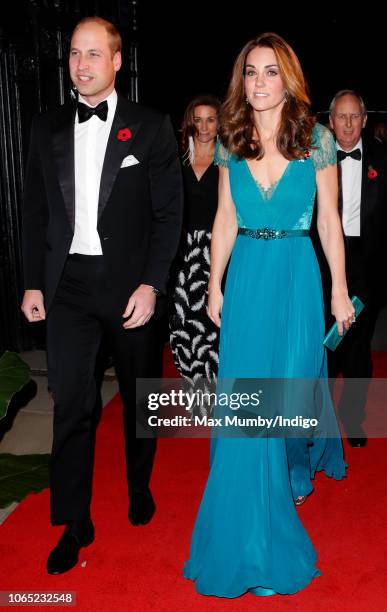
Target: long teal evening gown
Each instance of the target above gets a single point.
(247, 535)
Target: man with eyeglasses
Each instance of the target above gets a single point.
(362, 200)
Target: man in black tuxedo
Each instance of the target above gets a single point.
(102, 219)
(363, 199)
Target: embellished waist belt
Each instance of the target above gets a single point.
(270, 234)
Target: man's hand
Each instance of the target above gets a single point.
(140, 308)
(33, 305)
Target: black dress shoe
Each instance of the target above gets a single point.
(65, 554)
(141, 507)
(357, 442)
(356, 437)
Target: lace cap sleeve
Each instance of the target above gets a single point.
(222, 155)
(325, 154)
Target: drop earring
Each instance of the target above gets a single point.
(189, 155)
(191, 148)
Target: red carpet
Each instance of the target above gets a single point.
(139, 569)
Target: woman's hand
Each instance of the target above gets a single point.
(215, 303)
(343, 310)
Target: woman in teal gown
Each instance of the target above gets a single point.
(247, 536)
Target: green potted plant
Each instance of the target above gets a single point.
(19, 474)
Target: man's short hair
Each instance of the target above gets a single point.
(347, 92)
(115, 41)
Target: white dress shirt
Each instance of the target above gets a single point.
(90, 141)
(351, 174)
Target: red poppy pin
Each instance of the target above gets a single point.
(124, 134)
(306, 155)
(372, 174)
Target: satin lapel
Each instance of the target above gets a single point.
(366, 202)
(116, 151)
(63, 148)
(340, 193)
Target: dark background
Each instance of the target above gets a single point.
(191, 48)
(183, 49)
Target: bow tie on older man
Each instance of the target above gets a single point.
(85, 112)
(355, 154)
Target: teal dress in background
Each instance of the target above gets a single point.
(247, 535)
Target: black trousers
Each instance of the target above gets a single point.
(85, 310)
(353, 358)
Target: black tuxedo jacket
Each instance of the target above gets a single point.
(373, 204)
(373, 216)
(139, 208)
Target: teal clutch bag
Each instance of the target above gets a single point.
(333, 339)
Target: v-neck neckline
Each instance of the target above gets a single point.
(198, 180)
(273, 187)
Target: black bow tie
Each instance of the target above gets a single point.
(85, 112)
(356, 154)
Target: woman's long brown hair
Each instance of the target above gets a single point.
(237, 131)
